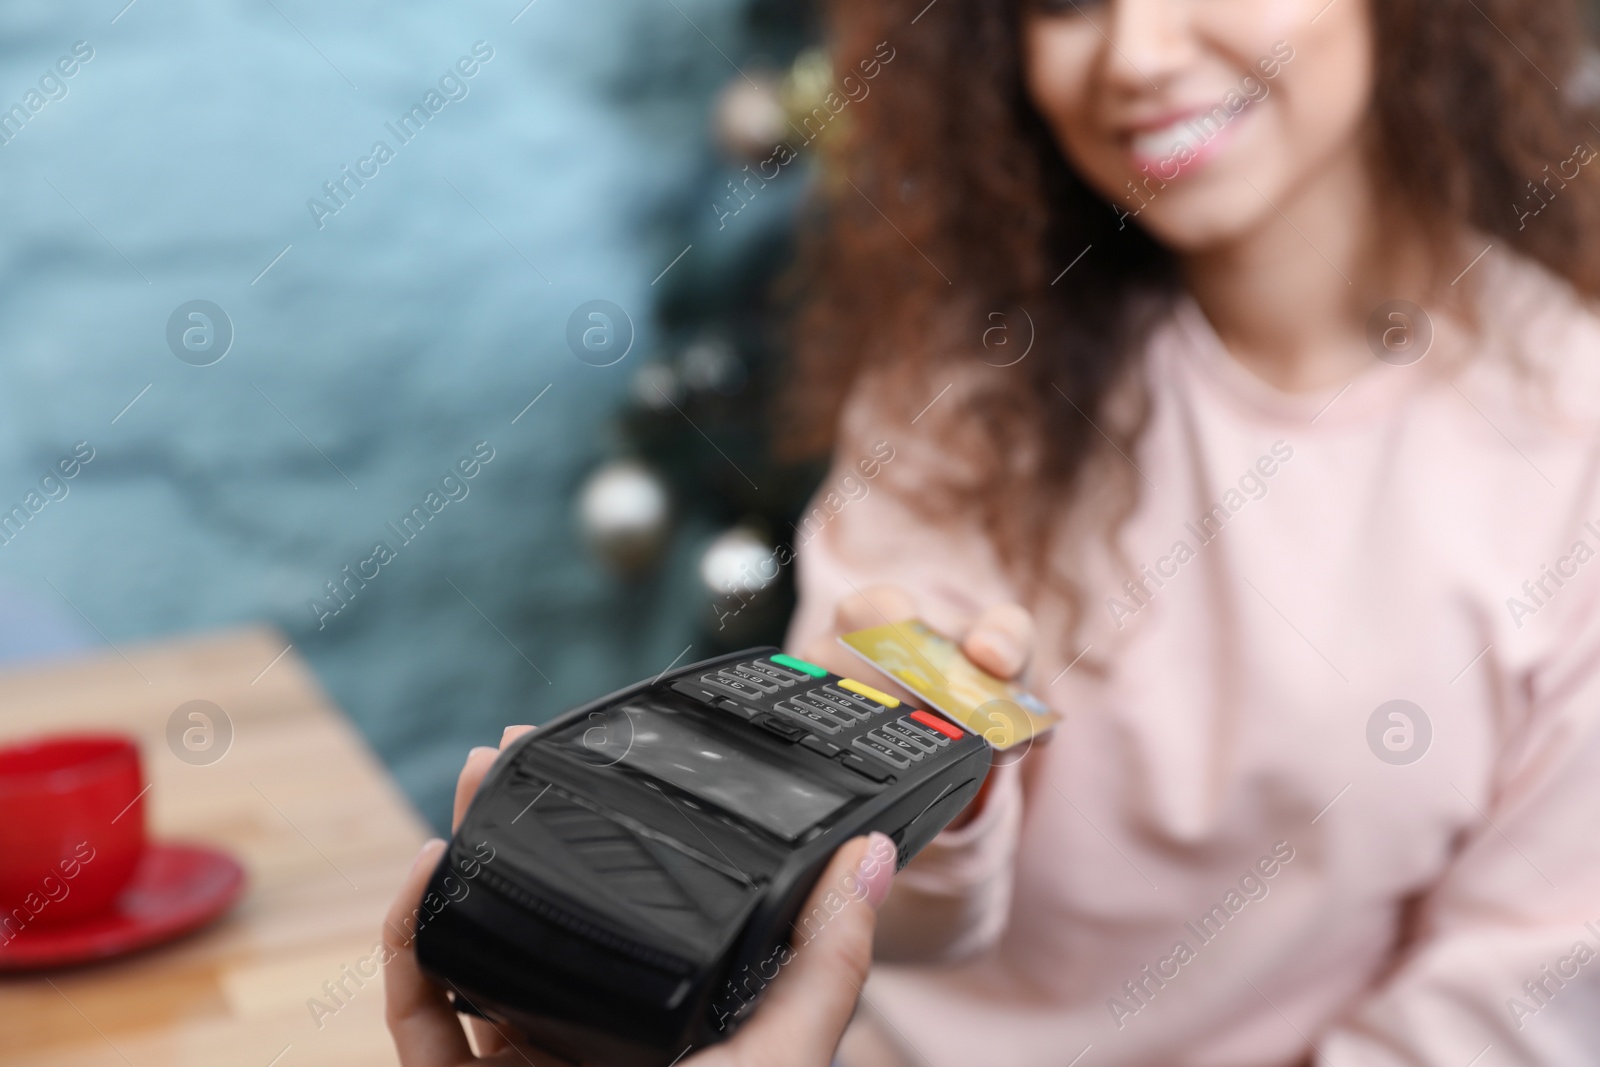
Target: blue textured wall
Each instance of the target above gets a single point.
(384, 343)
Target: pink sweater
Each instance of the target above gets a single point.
(1235, 850)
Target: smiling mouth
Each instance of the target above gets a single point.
(1186, 142)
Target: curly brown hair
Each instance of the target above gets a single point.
(946, 199)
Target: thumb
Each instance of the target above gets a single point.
(808, 1006)
(1001, 640)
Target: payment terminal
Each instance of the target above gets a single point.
(648, 852)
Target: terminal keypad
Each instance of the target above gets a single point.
(837, 718)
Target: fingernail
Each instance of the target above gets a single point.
(1003, 647)
(876, 870)
(423, 851)
(482, 748)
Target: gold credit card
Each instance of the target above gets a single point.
(934, 667)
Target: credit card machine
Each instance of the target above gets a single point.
(628, 876)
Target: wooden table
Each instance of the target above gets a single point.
(323, 834)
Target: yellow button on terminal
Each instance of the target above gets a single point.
(867, 691)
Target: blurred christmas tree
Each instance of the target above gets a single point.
(693, 460)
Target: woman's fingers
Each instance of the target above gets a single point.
(877, 605)
(805, 1011)
(1001, 640)
(420, 1017)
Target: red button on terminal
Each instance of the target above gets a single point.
(933, 722)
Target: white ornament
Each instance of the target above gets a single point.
(749, 119)
(624, 510)
(738, 563)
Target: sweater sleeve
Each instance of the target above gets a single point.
(1506, 963)
(952, 899)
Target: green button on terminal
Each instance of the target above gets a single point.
(793, 664)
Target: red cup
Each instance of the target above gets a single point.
(71, 828)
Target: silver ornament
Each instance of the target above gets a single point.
(624, 513)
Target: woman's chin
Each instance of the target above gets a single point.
(1196, 220)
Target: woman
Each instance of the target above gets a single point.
(1239, 366)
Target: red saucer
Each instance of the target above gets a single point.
(175, 889)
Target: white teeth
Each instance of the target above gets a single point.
(1166, 141)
